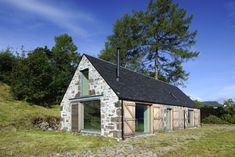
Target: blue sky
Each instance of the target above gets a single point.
(34, 23)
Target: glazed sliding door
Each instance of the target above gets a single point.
(142, 119)
(190, 118)
(92, 118)
(167, 119)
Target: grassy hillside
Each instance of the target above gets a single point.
(19, 114)
(18, 137)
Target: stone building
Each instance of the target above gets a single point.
(111, 101)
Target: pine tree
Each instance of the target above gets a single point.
(125, 36)
(162, 41)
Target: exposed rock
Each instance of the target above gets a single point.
(50, 123)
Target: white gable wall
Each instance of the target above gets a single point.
(110, 106)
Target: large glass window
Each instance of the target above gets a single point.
(142, 118)
(92, 115)
(84, 82)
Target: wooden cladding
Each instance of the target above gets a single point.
(157, 119)
(161, 117)
(197, 117)
(176, 118)
(129, 118)
(75, 125)
(185, 118)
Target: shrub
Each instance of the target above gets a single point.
(229, 118)
(207, 111)
(213, 120)
(233, 119)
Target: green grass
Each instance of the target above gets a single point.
(19, 113)
(18, 137)
(209, 140)
(219, 140)
(41, 143)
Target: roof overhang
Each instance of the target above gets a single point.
(85, 98)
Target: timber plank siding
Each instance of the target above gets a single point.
(75, 125)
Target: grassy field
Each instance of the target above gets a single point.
(18, 137)
(218, 140)
(209, 140)
(41, 143)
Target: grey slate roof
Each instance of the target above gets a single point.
(137, 87)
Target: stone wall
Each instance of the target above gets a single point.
(110, 105)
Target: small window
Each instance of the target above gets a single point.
(85, 82)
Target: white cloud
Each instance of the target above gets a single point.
(60, 16)
(195, 98)
(230, 6)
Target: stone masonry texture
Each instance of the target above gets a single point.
(110, 108)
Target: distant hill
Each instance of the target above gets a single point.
(212, 103)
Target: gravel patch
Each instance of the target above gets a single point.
(148, 146)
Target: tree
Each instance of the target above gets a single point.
(32, 77)
(199, 104)
(65, 59)
(125, 36)
(229, 103)
(229, 106)
(43, 76)
(162, 40)
(7, 61)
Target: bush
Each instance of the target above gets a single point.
(7, 60)
(213, 120)
(207, 111)
(229, 118)
(233, 119)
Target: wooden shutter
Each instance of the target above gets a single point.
(129, 118)
(197, 117)
(74, 117)
(157, 119)
(181, 118)
(175, 118)
(185, 118)
(165, 119)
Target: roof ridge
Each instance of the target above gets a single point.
(130, 70)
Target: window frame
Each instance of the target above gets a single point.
(83, 75)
